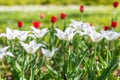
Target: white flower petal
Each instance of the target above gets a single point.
(110, 35)
(3, 52)
(32, 47)
(67, 35)
(49, 53)
(39, 33)
(9, 54)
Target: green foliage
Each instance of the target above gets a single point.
(56, 2)
(80, 59)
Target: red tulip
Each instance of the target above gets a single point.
(115, 4)
(63, 15)
(82, 8)
(106, 28)
(54, 19)
(42, 15)
(37, 24)
(114, 24)
(20, 24)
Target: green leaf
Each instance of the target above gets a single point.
(78, 76)
(113, 65)
(18, 66)
(23, 79)
(81, 59)
(91, 72)
(52, 70)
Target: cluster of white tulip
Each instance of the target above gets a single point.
(75, 27)
(85, 29)
(32, 47)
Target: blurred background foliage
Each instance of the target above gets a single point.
(55, 2)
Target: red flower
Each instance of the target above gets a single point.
(115, 4)
(42, 15)
(106, 28)
(114, 24)
(20, 24)
(82, 8)
(54, 19)
(63, 15)
(37, 24)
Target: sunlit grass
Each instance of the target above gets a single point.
(98, 16)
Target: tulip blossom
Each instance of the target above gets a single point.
(95, 36)
(42, 15)
(54, 19)
(21, 35)
(76, 25)
(79, 25)
(37, 24)
(39, 33)
(63, 15)
(106, 28)
(81, 28)
(10, 34)
(115, 4)
(32, 47)
(67, 35)
(114, 24)
(49, 53)
(20, 24)
(3, 52)
(82, 8)
(110, 35)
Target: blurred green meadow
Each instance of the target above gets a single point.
(56, 2)
(98, 16)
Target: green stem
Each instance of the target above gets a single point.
(52, 37)
(64, 25)
(23, 56)
(31, 69)
(68, 57)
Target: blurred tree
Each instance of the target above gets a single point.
(56, 2)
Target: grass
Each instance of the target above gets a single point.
(96, 15)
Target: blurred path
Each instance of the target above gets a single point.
(36, 8)
(29, 8)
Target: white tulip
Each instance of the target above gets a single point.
(3, 52)
(39, 33)
(67, 35)
(48, 53)
(10, 34)
(79, 25)
(95, 36)
(32, 47)
(76, 25)
(22, 35)
(110, 35)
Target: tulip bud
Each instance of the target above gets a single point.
(115, 4)
(54, 19)
(114, 24)
(20, 24)
(42, 15)
(106, 28)
(82, 8)
(63, 15)
(37, 24)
